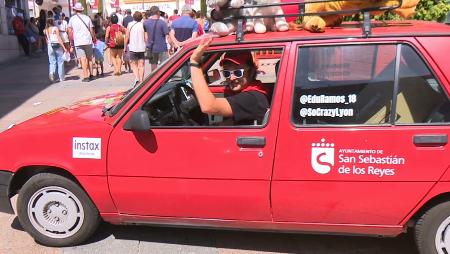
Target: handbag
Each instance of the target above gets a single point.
(66, 56)
(55, 45)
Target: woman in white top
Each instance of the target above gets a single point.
(56, 50)
(135, 39)
(62, 26)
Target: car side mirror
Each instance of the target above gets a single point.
(139, 121)
(213, 76)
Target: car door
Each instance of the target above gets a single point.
(214, 172)
(363, 135)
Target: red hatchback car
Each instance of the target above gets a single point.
(355, 142)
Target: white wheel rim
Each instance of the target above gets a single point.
(55, 212)
(442, 239)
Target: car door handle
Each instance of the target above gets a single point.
(430, 140)
(251, 141)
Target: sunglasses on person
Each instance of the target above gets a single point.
(238, 73)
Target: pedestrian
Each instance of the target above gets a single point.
(183, 28)
(128, 18)
(174, 16)
(135, 39)
(99, 55)
(19, 30)
(98, 26)
(42, 22)
(62, 26)
(106, 24)
(81, 27)
(200, 22)
(56, 50)
(157, 35)
(32, 33)
(119, 16)
(115, 38)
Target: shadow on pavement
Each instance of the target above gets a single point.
(257, 241)
(21, 79)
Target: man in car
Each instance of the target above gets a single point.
(245, 97)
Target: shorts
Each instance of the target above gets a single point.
(135, 56)
(154, 58)
(84, 51)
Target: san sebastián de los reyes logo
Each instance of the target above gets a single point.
(322, 156)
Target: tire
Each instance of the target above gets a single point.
(55, 211)
(432, 231)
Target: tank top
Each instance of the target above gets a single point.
(53, 34)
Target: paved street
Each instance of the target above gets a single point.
(26, 92)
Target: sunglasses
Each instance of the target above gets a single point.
(238, 73)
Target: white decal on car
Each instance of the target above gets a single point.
(86, 148)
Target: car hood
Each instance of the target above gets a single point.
(89, 110)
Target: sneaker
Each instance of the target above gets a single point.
(51, 77)
(85, 80)
(91, 77)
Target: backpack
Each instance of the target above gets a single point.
(119, 39)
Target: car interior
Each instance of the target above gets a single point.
(175, 104)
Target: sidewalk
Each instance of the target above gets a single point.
(26, 91)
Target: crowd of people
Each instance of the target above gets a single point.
(127, 40)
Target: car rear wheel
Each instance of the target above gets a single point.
(432, 230)
(55, 211)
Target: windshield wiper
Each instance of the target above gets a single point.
(106, 110)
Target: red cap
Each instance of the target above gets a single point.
(238, 57)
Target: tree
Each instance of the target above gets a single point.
(203, 7)
(432, 10)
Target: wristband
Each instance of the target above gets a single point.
(194, 64)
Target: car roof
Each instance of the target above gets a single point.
(346, 30)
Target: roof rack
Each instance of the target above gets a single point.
(366, 28)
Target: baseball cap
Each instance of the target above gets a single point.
(238, 57)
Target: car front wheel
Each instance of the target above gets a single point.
(55, 211)
(432, 230)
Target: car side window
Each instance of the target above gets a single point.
(420, 97)
(174, 104)
(337, 85)
(354, 85)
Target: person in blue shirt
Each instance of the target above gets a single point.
(183, 28)
(157, 33)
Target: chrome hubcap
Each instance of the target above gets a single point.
(55, 212)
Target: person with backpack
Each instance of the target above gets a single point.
(82, 30)
(115, 38)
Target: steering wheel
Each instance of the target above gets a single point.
(187, 107)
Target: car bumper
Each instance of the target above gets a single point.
(5, 202)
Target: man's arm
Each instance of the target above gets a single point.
(209, 104)
(174, 40)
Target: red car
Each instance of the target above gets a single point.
(355, 142)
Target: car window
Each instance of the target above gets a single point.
(174, 103)
(351, 84)
(354, 85)
(420, 97)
